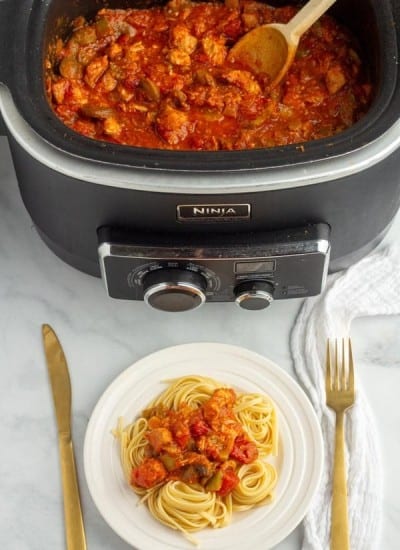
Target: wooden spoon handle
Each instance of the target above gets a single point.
(308, 14)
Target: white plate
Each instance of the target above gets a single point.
(299, 462)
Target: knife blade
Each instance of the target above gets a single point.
(61, 389)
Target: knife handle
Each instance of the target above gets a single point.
(74, 529)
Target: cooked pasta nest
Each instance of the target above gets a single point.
(187, 508)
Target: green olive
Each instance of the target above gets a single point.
(102, 27)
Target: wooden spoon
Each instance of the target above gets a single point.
(271, 48)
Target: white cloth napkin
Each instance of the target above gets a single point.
(370, 287)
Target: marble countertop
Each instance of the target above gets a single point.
(101, 337)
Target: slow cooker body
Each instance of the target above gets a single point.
(178, 248)
(143, 231)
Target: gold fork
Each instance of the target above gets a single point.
(340, 395)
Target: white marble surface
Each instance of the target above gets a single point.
(101, 337)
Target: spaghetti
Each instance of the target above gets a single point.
(198, 453)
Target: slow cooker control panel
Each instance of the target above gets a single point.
(181, 272)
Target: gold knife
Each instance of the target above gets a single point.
(61, 389)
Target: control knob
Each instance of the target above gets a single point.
(174, 289)
(254, 295)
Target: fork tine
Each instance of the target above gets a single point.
(351, 367)
(328, 375)
(336, 372)
(344, 369)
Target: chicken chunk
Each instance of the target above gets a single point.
(95, 70)
(215, 50)
(112, 127)
(59, 90)
(335, 79)
(172, 125)
(178, 57)
(244, 80)
(182, 39)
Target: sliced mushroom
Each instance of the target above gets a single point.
(97, 111)
(150, 88)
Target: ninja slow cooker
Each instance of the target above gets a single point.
(180, 228)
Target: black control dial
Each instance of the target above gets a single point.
(171, 289)
(254, 294)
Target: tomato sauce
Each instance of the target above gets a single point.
(202, 446)
(161, 78)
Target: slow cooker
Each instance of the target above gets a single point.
(178, 228)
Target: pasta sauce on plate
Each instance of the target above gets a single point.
(199, 452)
(200, 446)
(161, 78)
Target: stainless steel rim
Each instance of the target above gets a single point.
(250, 294)
(174, 286)
(164, 181)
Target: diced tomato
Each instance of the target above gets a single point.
(229, 482)
(123, 39)
(233, 28)
(150, 472)
(199, 427)
(244, 451)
